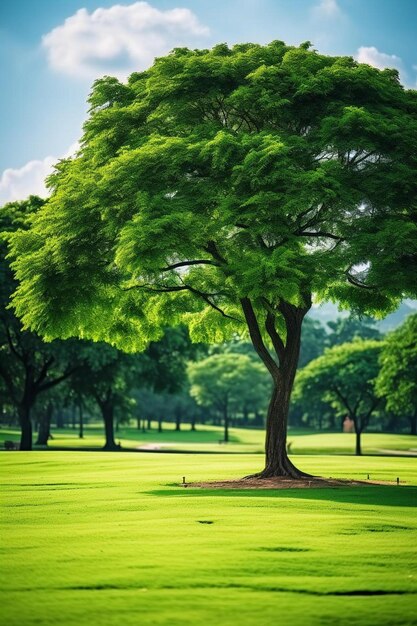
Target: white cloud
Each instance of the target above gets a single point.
(327, 9)
(19, 183)
(381, 60)
(372, 56)
(120, 39)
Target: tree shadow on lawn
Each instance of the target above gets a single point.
(378, 495)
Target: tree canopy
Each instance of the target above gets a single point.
(261, 171)
(344, 377)
(229, 382)
(28, 366)
(397, 379)
(221, 189)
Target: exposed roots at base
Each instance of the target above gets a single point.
(288, 472)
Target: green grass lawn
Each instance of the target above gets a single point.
(110, 539)
(243, 440)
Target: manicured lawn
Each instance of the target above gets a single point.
(110, 539)
(243, 440)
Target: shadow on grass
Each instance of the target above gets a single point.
(368, 495)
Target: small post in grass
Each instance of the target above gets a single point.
(398, 481)
(368, 476)
(183, 480)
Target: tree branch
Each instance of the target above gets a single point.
(358, 283)
(212, 249)
(345, 402)
(10, 343)
(56, 381)
(187, 263)
(319, 233)
(44, 371)
(256, 337)
(277, 342)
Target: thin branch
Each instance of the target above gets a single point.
(158, 289)
(355, 161)
(56, 381)
(206, 298)
(319, 233)
(358, 283)
(11, 345)
(212, 249)
(44, 371)
(187, 263)
(344, 401)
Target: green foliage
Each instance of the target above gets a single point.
(229, 382)
(314, 340)
(397, 379)
(28, 366)
(344, 377)
(266, 172)
(346, 329)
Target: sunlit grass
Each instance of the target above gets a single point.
(109, 539)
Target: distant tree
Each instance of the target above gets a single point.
(107, 376)
(311, 412)
(314, 340)
(344, 377)
(221, 189)
(228, 381)
(346, 329)
(397, 379)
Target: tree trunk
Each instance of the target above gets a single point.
(107, 412)
(25, 426)
(277, 461)
(178, 420)
(282, 372)
(81, 421)
(138, 423)
(149, 424)
(193, 419)
(159, 425)
(60, 419)
(358, 449)
(413, 424)
(226, 425)
(44, 431)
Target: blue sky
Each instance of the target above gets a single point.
(51, 52)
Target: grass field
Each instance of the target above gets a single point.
(243, 440)
(109, 539)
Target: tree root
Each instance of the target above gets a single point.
(286, 470)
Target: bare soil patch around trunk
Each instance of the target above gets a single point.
(283, 482)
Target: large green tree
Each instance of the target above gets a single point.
(222, 189)
(344, 377)
(397, 379)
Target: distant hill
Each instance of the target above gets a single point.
(328, 312)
